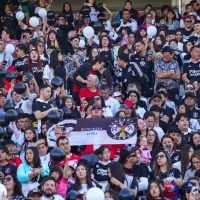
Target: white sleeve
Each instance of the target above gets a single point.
(143, 184)
(46, 72)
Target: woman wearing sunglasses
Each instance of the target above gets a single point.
(14, 188)
(171, 177)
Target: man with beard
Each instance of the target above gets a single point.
(48, 186)
(144, 60)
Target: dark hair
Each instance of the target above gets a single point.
(48, 40)
(185, 46)
(156, 168)
(53, 60)
(100, 42)
(149, 197)
(179, 116)
(187, 5)
(196, 154)
(118, 173)
(173, 14)
(26, 142)
(48, 178)
(77, 185)
(22, 47)
(148, 114)
(166, 136)
(113, 194)
(4, 148)
(64, 11)
(192, 141)
(184, 159)
(100, 150)
(125, 10)
(17, 186)
(36, 157)
(173, 40)
(44, 86)
(117, 114)
(58, 169)
(187, 110)
(104, 87)
(60, 138)
(36, 46)
(156, 144)
(90, 53)
(160, 85)
(98, 59)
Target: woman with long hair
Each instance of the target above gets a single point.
(172, 23)
(184, 163)
(67, 8)
(186, 49)
(118, 180)
(171, 177)
(41, 49)
(195, 141)
(83, 181)
(68, 102)
(14, 187)
(51, 40)
(153, 143)
(93, 7)
(155, 191)
(142, 128)
(35, 66)
(30, 171)
(167, 144)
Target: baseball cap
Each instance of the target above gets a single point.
(193, 13)
(117, 94)
(129, 103)
(11, 68)
(34, 191)
(167, 49)
(127, 151)
(189, 94)
(187, 186)
(156, 95)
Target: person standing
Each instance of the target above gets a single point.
(167, 71)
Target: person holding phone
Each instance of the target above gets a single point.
(168, 146)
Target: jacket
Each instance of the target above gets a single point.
(22, 172)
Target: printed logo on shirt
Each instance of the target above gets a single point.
(7, 171)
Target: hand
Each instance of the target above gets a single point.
(83, 114)
(74, 57)
(165, 118)
(168, 180)
(24, 79)
(1, 175)
(104, 5)
(2, 64)
(114, 181)
(58, 91)
(3, 197)
(38, 171)
(12, 84)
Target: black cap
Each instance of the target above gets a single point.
(167, 49)
(156, 95)
(156, 108)
(186, 187)
(34, 191)
(189, 94)
(127, 151)
(124, 57)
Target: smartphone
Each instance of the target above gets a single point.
(168, 147)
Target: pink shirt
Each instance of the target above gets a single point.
(61, 187)
(145, 153)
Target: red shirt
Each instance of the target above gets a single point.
(87, 93)
(73, 157)
(15, 161)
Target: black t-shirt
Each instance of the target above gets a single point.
(100, 171)
(195, 113)
(193, 70)
(175, 157)
(186, 34)
(169, 112)
(38, 73)
(39, 105)
(8, 169)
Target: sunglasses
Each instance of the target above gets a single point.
(97, 109)
(41, 45)
(148, 17)
(97, 98)
(132, 155)
(189, 88)
(161, 156)
(7, 179)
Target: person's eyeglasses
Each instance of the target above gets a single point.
(195, 163)
(97, 99)
(189, 88)
(188, 21)
(7, 179)
(132, 155)
(40, 45)
(148, 17)
(160, 156)
(96, 108)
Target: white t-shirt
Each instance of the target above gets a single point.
(113, 104)
(159, 131)
(48, 73)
